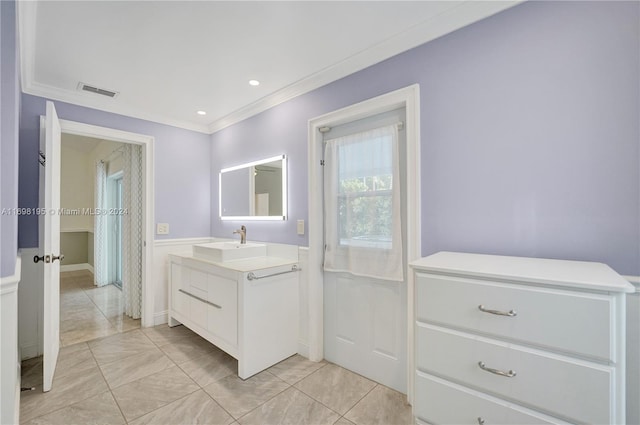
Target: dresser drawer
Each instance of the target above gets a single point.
(571, 322)
(561, 386)
(441, 402)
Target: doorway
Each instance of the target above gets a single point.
(146, 174)
(91, 307)
(335, 300)
(365, 238)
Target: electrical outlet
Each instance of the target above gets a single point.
(162, 228)
(301, 227)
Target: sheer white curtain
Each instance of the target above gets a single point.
(362, 204)
(132, 200)
(100, 236)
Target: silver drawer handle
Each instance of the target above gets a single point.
(198, 298)
(510, 313)
(509, 374)
(480, 420)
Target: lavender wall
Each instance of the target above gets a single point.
(9, 113)
(182, 169)
(530, 137)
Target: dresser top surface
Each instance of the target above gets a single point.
(576, 274)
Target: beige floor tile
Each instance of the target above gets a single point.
(106, 299)
(382, 406)
(197, 408)
(186, 349)
(73, 298)
(163, 334)
(239, 397)
(120, 346)
(66, 390)
(112, 310)
(87, 331)
(124, 323)
(135, 367)
(31, 371)
(73, 348)
(74, 361)
(290, 407)
(97, 410)
(70, 285)
(152, 392)
(335, 387)
(85, 318)
(295, 368)
(210, 367)
(343, 421)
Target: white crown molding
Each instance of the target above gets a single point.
(442, 24)
(26, 18)
(450, 20)
(88, 100)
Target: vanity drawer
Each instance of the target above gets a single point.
(564, 387)
(223, 308)
(179, 301)
(441, 402)
(571, 322)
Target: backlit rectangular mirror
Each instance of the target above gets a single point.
(254, 191)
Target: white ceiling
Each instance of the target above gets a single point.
(168, 60)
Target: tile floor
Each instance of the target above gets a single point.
(88, 312)
(165, 375)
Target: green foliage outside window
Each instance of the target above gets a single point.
(365, 211)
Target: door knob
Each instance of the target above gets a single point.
(36, 258)
(57, 257)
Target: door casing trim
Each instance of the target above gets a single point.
(409, 98)
(147, 144)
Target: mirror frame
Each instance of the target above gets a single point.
(282, 158)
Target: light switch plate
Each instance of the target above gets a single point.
(301, 227)
(162, 228)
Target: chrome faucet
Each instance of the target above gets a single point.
(243, 234)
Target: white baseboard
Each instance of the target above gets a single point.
(76, 267)
(29, 351)
(303, 349)
(160, 318)
(16, 397)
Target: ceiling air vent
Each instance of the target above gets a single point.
(97, 90)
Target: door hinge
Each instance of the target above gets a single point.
(322, 162)
(42, 159)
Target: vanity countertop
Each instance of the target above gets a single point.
(244, 265)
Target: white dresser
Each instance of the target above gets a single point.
(510, 340)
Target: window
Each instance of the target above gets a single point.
(115, 204)
(365, 183)
(362, 197)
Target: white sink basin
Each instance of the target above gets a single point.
(228, 251)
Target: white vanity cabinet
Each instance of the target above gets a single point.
(250, 313)
(510, 340)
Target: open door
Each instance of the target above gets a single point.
(49, 224)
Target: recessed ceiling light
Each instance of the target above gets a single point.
(254, 82)
(201, 113)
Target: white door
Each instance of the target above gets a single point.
(50, 242)
(365, 317)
